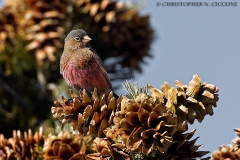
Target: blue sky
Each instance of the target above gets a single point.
(205, 41)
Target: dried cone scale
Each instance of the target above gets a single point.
(226, 152)
(89, 114)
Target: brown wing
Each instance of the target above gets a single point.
(101, 66)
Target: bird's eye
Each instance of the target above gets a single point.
(77, 38)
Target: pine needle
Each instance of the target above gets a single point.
(133, 89)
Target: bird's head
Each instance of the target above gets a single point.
(77, 38)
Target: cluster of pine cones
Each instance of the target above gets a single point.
(43, 25)
(151, 126)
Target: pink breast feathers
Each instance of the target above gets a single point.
(86, 78)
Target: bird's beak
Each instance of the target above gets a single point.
(86, 39)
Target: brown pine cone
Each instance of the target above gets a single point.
(197, 101)
(147, 124)
(20, 146)
(190, 102)
(67, 145)
(89, 114)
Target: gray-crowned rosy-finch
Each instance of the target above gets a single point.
(81, 66)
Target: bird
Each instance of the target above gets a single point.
(80, 65)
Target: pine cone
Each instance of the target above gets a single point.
(229, 152)
(147, 124)
(20, 146)
(44, 23)
(190, 102)
(67, 145)
(198, 100)
(107, 150)
(88, 114)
